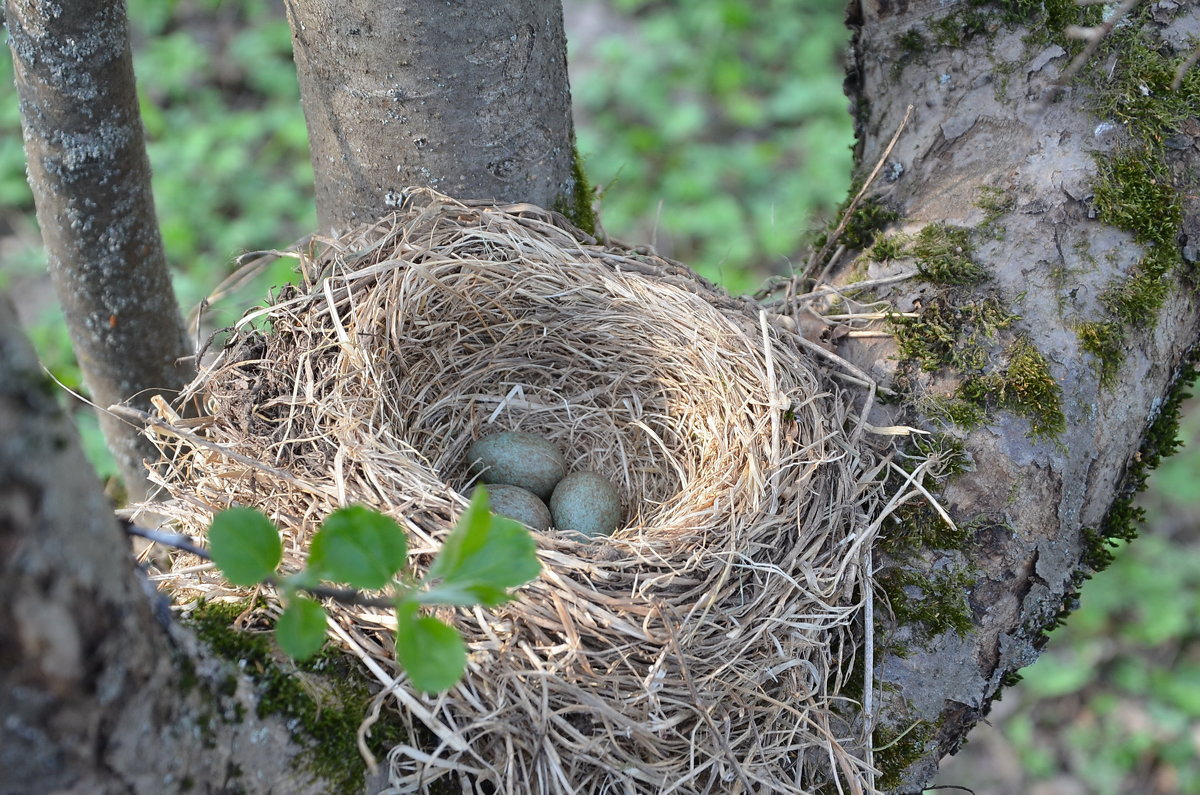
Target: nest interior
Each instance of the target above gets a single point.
(702, 648)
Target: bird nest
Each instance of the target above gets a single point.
(705, 646)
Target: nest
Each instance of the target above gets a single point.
(703, 647)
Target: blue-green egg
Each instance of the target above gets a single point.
(517, 503)
(515, 458)
(587, 503)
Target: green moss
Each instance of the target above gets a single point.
(946, 453)
(187, 674)
(933, 601)
(1124, 518)
(916, 527)
(1001, 78)
(1007, 679)
(978, 389)
(857, 272)
(864, 223)
(1133, 187)
(953, 410)
(952, 336)
(960, 338)
(886, 248)
(1106, 342)
(1051, 17)
(995, 204)
(958, 27)
(1134, 192)
(1134, 88)
(912, 43)
(978, 18)
(578, 207)
(326, 725)
(1135, 299)
(941, 605)
(1028, 390)
(1057, 14)
(896, 749)
(911, 47)
(943, 254)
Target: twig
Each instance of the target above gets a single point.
(249, 266)
(840, 289)
(129, 414)
(841, 227)
(703, 710)
(1094, 37)
(1184, 67)
(347, 596)
(176, 540)
(898, 737)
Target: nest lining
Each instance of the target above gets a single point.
(700, 649)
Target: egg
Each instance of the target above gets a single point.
(517, 503)
(520, 459)
(587, 503)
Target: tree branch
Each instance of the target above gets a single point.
(90, 178)
(346, 596)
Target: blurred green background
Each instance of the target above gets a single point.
(717, 131)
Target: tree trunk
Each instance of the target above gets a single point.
(470, 98)
(90, 177)
(100, 692)
(1077, 204)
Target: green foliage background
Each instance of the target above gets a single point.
(718, 131)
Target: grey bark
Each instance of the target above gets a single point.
(469, 97)
(90, 177)
(1036, 495)
(93, 693)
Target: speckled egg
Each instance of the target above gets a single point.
(517, 503)
(587, 503)
(520, 459)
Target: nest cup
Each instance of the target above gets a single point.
(703, 646)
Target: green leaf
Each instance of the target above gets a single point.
(483, 556)
(431, 651)
(300, 631)
(360, 547)
(244, 545)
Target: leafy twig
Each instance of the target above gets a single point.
(482, 558)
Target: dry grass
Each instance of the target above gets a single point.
(701, 649)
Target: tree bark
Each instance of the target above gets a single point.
(989, 121)
(90, 177)
(99, 690)
(470, 98)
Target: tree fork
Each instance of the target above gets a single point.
(471, 98)
(90, 177)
